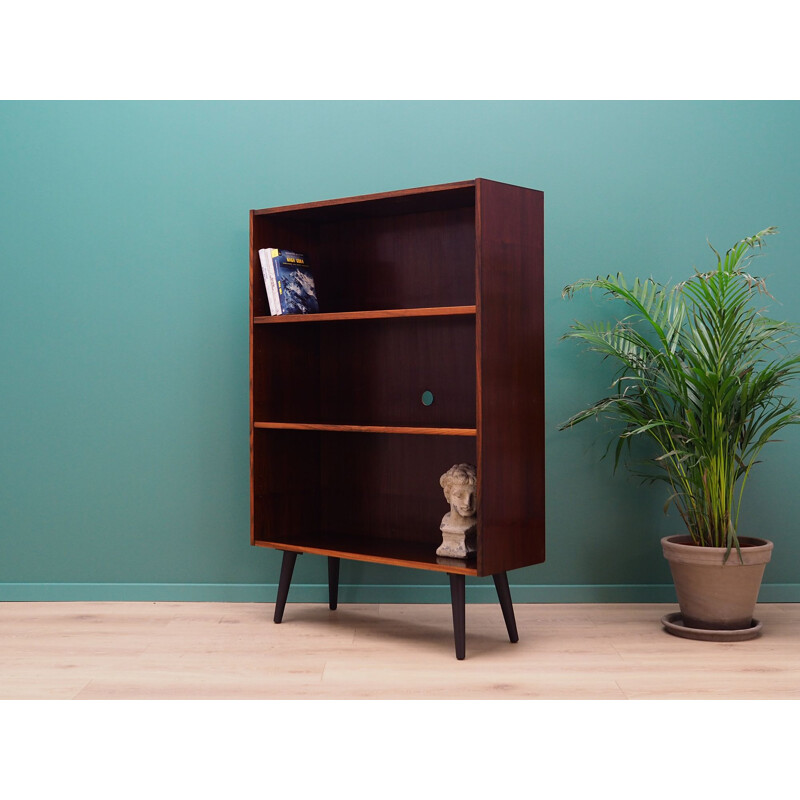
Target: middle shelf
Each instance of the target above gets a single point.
(418, 374)
(389, 313)
(306, 426)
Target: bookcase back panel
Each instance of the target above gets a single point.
(367, 372)
(325, 489)
(386, 486)
(410, 261)
(286, 373)
(376, 372)
(286, 484)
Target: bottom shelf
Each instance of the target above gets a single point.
(417, 555)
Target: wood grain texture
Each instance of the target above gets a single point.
(286, 374)
(252, 311)
(374, 372)
(510, 330)
(234, 651)
(386, 313)
(370, 372)
(301, 426)
(334, 492)
(423, 198)
(417, 259)
(376, 550)
(386, 486)
(286, 483)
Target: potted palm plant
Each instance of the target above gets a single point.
(701, 375)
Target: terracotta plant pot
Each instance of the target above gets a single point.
(714, 594)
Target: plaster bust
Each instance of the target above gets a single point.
(459, 525)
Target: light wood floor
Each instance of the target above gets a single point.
(235, 651)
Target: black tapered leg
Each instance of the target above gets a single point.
(287, 567)
(457, 596)
(504, 593)
(333, 582)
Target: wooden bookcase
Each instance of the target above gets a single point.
(436, 289)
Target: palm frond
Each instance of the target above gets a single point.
(700, 374)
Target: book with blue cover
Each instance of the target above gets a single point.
(293, 289)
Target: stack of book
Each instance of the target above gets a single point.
(289, 282)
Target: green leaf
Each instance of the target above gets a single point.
(701, 374)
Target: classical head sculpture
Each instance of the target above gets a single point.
(459, 525)
(460, 483)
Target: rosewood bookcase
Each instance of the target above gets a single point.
(435, 292)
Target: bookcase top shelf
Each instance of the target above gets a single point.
(428, 198)
(437, 311)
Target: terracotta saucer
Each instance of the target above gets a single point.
(673, 623)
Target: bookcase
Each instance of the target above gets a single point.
(427, 352)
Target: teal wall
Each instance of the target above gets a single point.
(123, 323)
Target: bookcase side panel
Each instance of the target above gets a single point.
(252, 306)
(510, 225)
